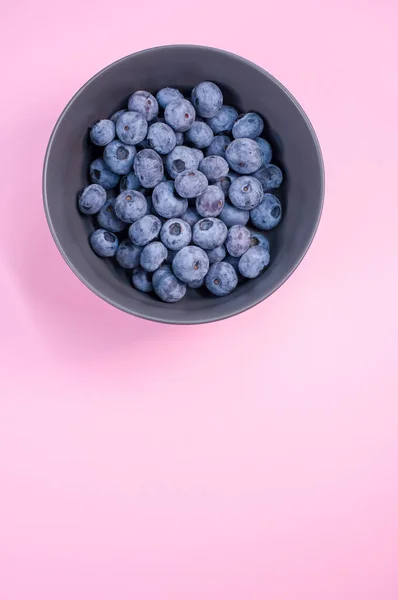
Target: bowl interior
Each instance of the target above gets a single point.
(245, 86)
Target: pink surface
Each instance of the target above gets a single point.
(255, 458)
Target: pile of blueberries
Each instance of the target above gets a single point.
(190, 175)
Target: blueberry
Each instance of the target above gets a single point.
(191, 216)
(166, 285)
(144, 230)
(234, 216)
(116, 115)
(181, 159)
(92, 199)
(102, 132)
(234, 262)
(199, 155)
(180, 114)
(224, 183)
(179, 138)
(217, 254)
(128, 255)
(246, 192)
(267, 214)
(190, 264)
(130, 206)
(211, 202)
(131, 127)
(142, 280)
(270, 177)
(224, 120)
(161, 138)
(104, 243)
(176, 234)
(200, 134)
(129, 182)
(100, 173)
(166, 203)
(218, 146)
(108, 219)
(254, 261)
(266, 150)
(145, 104)
(190, 184)
(250, 125)
(221, 279)
(119, 157)
(209, 233)
(167, 95)
(238, 240)
(148, 167)
(153, 256)
(207, 99)
(258, 239)
(244, 156)
(214, 167)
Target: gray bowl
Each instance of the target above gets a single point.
(246, 86)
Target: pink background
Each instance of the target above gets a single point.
(165, 463)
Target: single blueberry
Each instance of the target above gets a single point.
(209, 233)
(244, 156)
(142, 280)
(167, 95)
(108, 219)
(270, 177)
(258, 239)
(267, 214)
(250, 125)
(145, 104)
(119, 157)
(100, 173)
(104, 243)
(238, 240)
(254, 261)
(217, 254)
(92, 199)
(181, 159)
(224, 120)
(200, 135)
(214, 167)
(161, 138)
(145, 230)
(148, 167)
(211, 202)
(102, 132)
(190, 184)
(176, 234)
(191, 216)
(117, 114)
(207, 99)
(165, 201)
(131, 127)
(128, 255)
(218, 146)
(180, 114)
(221, 279)
(234, 216)
(190, 264)
(129, 182)
(130, 206)
(153, 256)
(246, 192)
(266, 150)
(166, 285)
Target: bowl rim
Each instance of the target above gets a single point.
(192, 320)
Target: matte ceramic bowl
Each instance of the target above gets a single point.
(244, 85)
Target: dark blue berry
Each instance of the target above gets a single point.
(181, 159)
(130, 206)
(266, 150)
(253, 262)
(217, 254)
(191, 216)
(128, 255)
(108, 219)
(161, 138)
(199, 135)
(233, 216)
(218, 146)
(207, 99)
(214, 167)
(142, 280)
(190, 184)
(100, 173)
(104, 243)
(153, 256)
(92, 199)
(167, 95)
(148, 167)
(166, 285)
(238, 240)
(129, 182)
(221, 279)
(131, 127)
(211, 202)
(209, 233)
(190, 264)
(144, 230)
(145, 104)
(270, 177)
(267, 214)
(244, 156)
(165, 201)
(224, 120)
(249, 125)
(176, 234)
(102, 132)
(246, 192)
(119, 157)
(179, 114)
